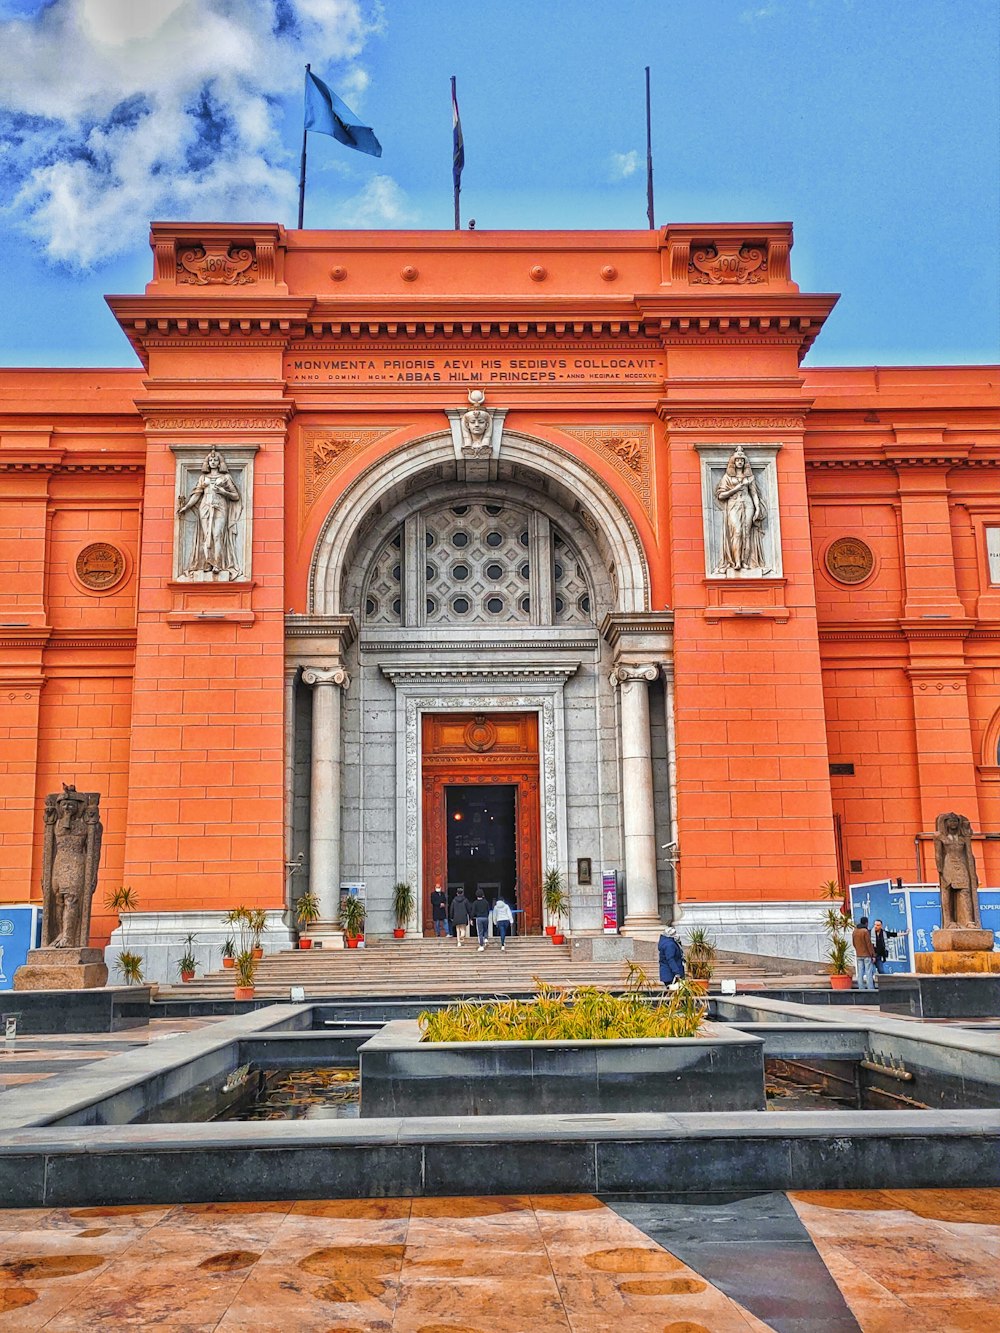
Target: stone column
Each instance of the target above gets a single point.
(643, 915)
(324, 790)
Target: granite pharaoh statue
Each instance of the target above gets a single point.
(743, 516)
(70, 859)
(956, 867)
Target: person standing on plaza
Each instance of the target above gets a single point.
(439, 910)
(864, 951)
(503, 918)
(879, 937)
(671, 957)
(460, 915)
(481, 911)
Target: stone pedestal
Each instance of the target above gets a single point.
(62, 969)
(948, 962)
(958, 939)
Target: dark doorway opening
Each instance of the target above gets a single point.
(482, 841)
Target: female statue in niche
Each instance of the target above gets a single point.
(956, 867)
(219, 505)
(743, 516)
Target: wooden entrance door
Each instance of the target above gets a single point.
(484, 750)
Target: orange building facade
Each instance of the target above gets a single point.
(462, 556)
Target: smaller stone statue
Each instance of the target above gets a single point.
(71, 855)
(744, 515)
(477, 427)
(218, 505)
(956, 867)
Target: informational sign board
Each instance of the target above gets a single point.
(20, 930)
(916, 908)
(609, 895)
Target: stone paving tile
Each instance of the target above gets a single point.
(905, 1261)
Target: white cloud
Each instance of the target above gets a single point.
(113, 112)
(380, 204)
(759, 14)
(624, 165)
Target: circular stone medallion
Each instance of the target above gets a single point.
(100, 566)
(850, 560)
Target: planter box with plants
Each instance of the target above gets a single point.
(245, 920)
(655, 1053)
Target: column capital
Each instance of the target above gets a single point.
(314, 675)
(625, 673)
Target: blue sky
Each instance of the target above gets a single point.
(873, 125)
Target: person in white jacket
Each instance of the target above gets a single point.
(503, 918)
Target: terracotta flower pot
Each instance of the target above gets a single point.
(187, 976)
(305, 944)
(228, 962)
(699, 984)
(550, 930)
(398, 933)
(258, 953)
(558, 939)
(841, 981)
(243, 992)
(352, 941)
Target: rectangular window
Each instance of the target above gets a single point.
(993, 553)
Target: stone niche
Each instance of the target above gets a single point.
(719, 1070)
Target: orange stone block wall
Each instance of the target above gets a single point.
(168, 696)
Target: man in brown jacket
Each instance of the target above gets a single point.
(865, 953)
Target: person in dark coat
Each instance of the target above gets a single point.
(460, 915)
(879, 937)
(439, 910)
(481, 911)
(671, 957)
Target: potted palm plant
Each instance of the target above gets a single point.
(837, 923)
(306, 912)
(246, 972)
(258, 924)
(699, 958)
(128, 964)
(229, 952)
(186, 964)
(402, 907)
(352, 919)
(556, 903)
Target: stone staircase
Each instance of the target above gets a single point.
(418, 967)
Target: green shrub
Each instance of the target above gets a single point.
(583, 1013)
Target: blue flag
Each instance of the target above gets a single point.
(327, 114)
(458, 143)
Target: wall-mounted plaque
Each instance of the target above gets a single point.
(99, 566)
(850, 560)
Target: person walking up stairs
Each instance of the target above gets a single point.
(460, 915)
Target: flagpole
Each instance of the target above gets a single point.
(458, 188)
(302, 168)
(649, 159)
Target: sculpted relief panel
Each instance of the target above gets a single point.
(212, 524)
(740, 511)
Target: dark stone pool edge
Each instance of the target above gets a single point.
(685, 1153)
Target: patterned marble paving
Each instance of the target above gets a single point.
(905, 1260)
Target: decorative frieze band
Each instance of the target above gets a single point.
(213, 423)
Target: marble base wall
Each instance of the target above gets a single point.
(940, 996)
(160, 938)
(785, 930)
(107, 1010)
